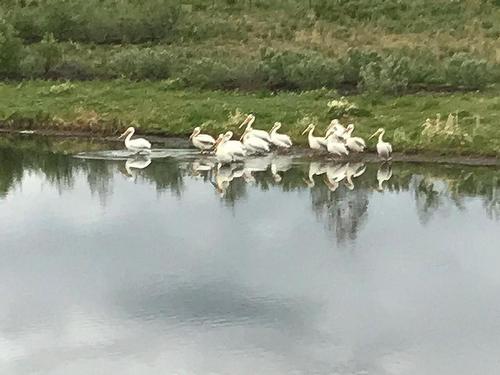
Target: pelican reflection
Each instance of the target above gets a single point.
(384, 173)
(136, 163)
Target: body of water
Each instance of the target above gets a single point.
(280, 265)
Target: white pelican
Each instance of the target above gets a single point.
(353, 170)
(254, 144)
(335, 145)
(227, 150)
(203, 142)
(255, 132)
(337, 129)
(280, 140)
(315, 169)
(334, 174)
(315, 143)
(136, 145)
(384, 149)
(384, 173)
(354, 144)
(135, 163)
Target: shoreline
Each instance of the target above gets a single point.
(298, 150)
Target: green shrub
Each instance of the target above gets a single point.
(99, 21)
(32, 65)
(352, 65)
(10, 50)
(137, 63)
(469, 72)
(292, 70)
(390, 75)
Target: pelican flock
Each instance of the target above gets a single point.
(337, 141)
(256, 146)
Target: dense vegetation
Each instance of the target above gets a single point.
(390, 46)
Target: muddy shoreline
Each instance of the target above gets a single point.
(177, 142)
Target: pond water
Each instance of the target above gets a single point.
(116, 265)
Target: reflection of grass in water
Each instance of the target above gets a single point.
(102, 108)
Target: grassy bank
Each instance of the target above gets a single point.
(154, 108)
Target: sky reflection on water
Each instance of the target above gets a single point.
(179, 268)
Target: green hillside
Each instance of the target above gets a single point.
(392, 46)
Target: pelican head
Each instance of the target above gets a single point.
(276, 126)
(334, 123)
(127, 132)
(249, 120)
(196, 131)
(379, 131)
(228, 135)
(309, 127)
(350, 127)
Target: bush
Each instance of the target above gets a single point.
(72, 70)
(98, 21)
(10, 50)
(390, 75)
(467, 71)
(136, 63)
(291, 70)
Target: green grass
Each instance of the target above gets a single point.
(109, 107)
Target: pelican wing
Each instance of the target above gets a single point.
(281, 140)
(205, 139)
(140, 143)
(359, 141)
(256, 143)
(262, 134)
(322, 141)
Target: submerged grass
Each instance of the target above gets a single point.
(107, 107)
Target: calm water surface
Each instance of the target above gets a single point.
(278, 266)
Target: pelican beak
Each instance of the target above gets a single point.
(123, 135)
(373, 135)
(191, 136)
(217, 142)
(306, 130)
(245, 122)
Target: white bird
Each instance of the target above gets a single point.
(354, 144)
(384, 173)
(136, 145)
(227, 150)
(337, 129)
(335, 145)
(255, 132)
(203, 142)
(254, 144)
(315, 143)
(384, 149)
(334, 174)
(315, 169)
(354, 170)
(280, 140)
